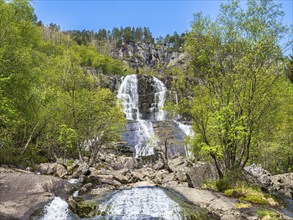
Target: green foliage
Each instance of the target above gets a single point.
(49, 105)
(239, 62)
(268, 214)
(253, 195)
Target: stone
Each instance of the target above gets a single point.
(83, 169)
(282, 184)
(200, 172)
(120, 177)
(262, 176)
(131, 164)
(46, 168)
(168, 178)
(60, 170)
(177, 163)
(181, 176)
(158, 165)
(85, 188)
(22, 193)
(111, 182)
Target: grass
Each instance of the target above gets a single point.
(242, 205)
(252, 195)
(265, 214)
(234, 185)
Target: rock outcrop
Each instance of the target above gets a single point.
(23, 192)
(147, 55)
(281, 184)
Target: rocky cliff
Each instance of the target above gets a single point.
(139, 55)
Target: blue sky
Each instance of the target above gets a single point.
(162, 17)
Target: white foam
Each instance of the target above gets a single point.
(56, 210)
(152, 202)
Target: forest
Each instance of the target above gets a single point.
(241, 111)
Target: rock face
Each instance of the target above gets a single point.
(146, 95)
(201, 172)
(281, 184)
(22, 193)
(142, 54)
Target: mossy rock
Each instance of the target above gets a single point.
(87, 209)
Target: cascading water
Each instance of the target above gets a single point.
(129, 96)
(144, 135)
(160, 97)
(57, 210)
(187, 130)
(141, 203)
(141, 134)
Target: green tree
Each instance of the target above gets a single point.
(19, 72)
(76, 106)
(238, 60)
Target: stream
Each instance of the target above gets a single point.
(138, 203)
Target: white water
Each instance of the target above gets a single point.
(138, 202)
(145, 136)
(57, 210)
(188, 131)
(129, 95)
(160, 97)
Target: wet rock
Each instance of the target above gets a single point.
(85, 188)
(22, 193)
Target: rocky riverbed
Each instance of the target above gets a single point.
(24, 192)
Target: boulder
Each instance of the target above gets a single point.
(22, 193)
(282, 184)
(47, 168)
(200, 172)
(60, 170)
(83, 169)
(158, 165)
(262, 176)
(177, 164)
(85, 188)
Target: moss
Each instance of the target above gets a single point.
(242, 205)
(268, 214)
(87, 209)
(211, 185)
(252, 195)
(255, 198)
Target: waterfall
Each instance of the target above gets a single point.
(57, 210)
(141, 134)
(160, 97)
(141, 203)
(129, 96)
(187, 130)
(143, 130)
